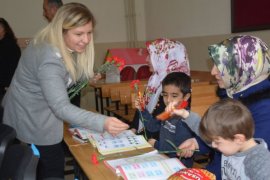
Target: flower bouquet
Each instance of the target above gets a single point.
(112, 66)
(109, 63)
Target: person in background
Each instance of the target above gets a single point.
(229, 127)
(176, 88)
(37, 103)
(50, 8)
(10, 54)
(165, 56)
(242, 68)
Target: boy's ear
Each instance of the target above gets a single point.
(239, 138)
(186, 97)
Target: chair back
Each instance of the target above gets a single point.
(19, 163)
(7, 136)
(127, 74)
(143, 72)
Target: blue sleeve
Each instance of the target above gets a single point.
(203, 147)
(156, 145)
(150, 123)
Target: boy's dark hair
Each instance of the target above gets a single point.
(226, 118)
(178, 79)
(181, 80)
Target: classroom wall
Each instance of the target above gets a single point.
(195, 23)
(110, 15)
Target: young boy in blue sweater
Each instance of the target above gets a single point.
(176, 88)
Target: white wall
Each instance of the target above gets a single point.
(27, 19)
(154, 18)
(187, 18)
(196, 23)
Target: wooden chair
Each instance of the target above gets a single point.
(143, 72)
(112, 96)
(128, 73)
(203, 95)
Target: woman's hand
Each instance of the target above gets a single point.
(152, 142)
(114, 126)
(96, 77)
(188, 147)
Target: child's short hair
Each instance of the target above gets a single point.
(226, 118)
(179, 79)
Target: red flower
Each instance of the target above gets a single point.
(120, 63)
(135, 84)
(94, 159)
(111, 60)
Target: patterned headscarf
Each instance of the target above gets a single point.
(243, 61)
(166, 56)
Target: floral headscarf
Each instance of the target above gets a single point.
(166, 56)
(242, 61)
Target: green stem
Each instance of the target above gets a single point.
(176, 151)
(73, 91)
(143, 120)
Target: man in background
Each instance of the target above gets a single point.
(50, 7)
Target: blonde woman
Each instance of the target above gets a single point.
(37, 101)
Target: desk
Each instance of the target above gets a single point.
(98, 92)
(82, 154)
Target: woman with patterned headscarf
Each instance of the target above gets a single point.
(165, 56)
(241, 68)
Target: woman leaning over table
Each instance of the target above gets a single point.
(241, 68)
(37, 103)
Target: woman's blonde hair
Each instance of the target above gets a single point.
(69, 16)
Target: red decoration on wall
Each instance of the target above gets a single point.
(250, 15)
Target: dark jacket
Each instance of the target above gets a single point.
(10, 54)
(174, 130)
(158, 109)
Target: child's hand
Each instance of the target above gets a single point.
(170, 107)
(138, 103)
(179, 112)
(152, 142)
(133, 130)
(188, 147)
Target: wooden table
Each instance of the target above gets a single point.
(82, 154)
